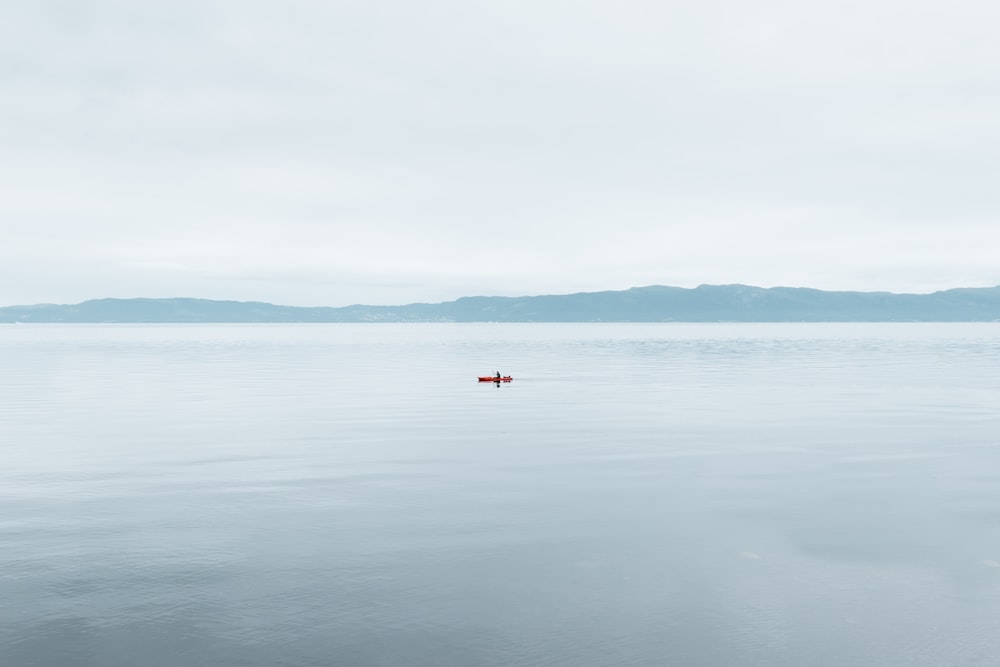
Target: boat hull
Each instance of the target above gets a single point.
(493, 378)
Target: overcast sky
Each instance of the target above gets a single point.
(387, 152)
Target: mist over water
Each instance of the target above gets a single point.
(752, 494)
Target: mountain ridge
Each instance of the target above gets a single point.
(650, 303)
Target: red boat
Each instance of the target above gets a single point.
(494, 378)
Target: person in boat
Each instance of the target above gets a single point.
(498, 375)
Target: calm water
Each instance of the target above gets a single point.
(639, 495)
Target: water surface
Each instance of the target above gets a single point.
(730, 494)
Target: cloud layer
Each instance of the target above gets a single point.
(385, 152)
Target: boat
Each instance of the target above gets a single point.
(494, 378)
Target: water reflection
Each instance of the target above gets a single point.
(652, 494)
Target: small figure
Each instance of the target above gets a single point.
(498, 375)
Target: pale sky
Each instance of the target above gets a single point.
(389, 152)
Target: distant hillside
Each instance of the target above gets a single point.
(707, 303)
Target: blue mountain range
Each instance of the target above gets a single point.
(656, 303)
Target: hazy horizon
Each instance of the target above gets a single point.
(511, 296)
